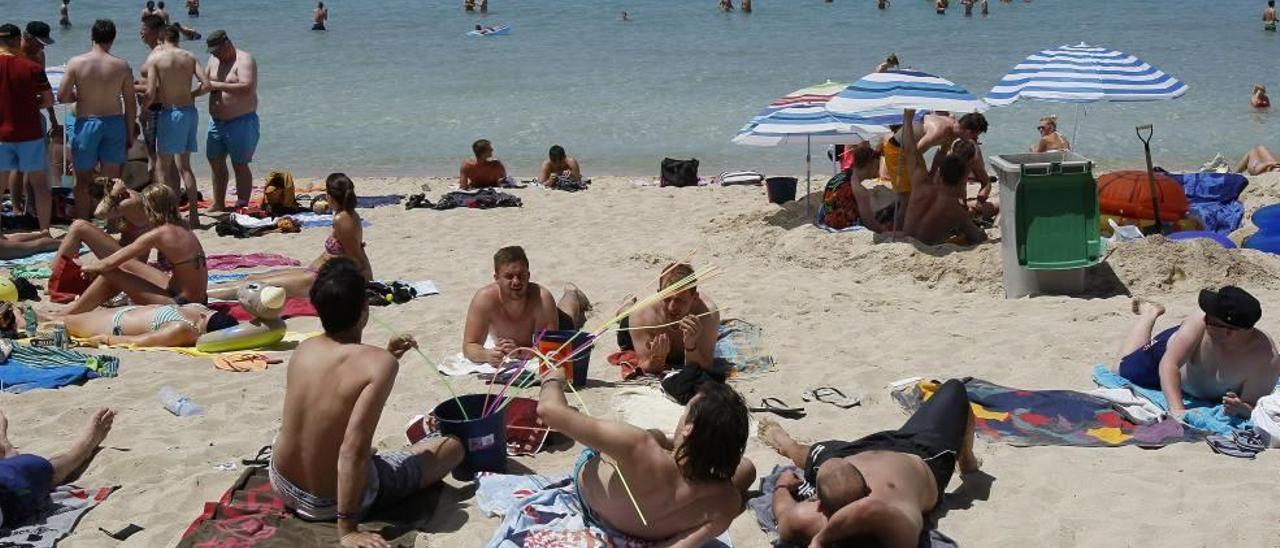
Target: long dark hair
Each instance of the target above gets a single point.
(342, 190)
(712, 450)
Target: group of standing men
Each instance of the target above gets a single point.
(111, 109)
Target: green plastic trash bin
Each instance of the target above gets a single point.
(1049, 222)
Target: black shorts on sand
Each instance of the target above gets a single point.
(935, 433)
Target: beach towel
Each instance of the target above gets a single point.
(316, 220)
(1215, 198)
(293, 307)
(762, 507)
(250, 514)
(1025, 418)
(1202, 415)
(458, 365)
(233, 261)
(485, 198)
(38, 258)
(44, 357)
(379, 201)
(544, 512)
(70, 503)
(16, 379)
(225, 277)
(40, 271)
(290, 342)
(647, 408)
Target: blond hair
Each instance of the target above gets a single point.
(1051, 119)
(1259, 87)
(161, 205)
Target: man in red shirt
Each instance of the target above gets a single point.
(24, 91)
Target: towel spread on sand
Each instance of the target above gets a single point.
(225, 277)
(293, 307)
(762, 507)
(1202, 415)
(647, 407)
(544, 512)
(48, 357)
(250, 514)
(69, 505)
(1026, 418)
(32, 271)
(379, 201)
(16, 379)
(290, 341)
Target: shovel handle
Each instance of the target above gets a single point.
(1149, 128)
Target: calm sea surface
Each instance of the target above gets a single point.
(396, 88)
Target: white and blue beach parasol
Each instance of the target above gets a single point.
(899, 90)
(801, 117)
(55, 74)
(1084, 74)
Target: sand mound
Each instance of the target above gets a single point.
(1158, 265)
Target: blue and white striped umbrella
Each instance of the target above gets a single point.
(807, 123)
(898, 90)
(1084, 74)
(55, 75)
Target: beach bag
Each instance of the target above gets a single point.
(278, 196)
(679, 173)
(66, 281)
(730, 178)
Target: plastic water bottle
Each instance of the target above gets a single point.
(178, 404)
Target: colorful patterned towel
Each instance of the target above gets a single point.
(1026, 418)
(542, 512)
(250, 514)
(1202, 415)
(47, 357)
(232, 261)
(69, 505)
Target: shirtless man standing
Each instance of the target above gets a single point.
(1214, 355)
(319, 17)
(937, 210)
(688, 489)
(170, 71)
(511, 310)
(879, 487)
(233, 113)
(163, 13)
(679, 331)
(1269, 16)
(557, 165)
(322, 464)
(149, 113)
(101, 86)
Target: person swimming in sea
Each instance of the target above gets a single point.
(319, 17)
(1269, 16)
(1259, 97)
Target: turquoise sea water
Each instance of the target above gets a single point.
(395, 88)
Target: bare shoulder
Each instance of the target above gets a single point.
(645, 316)
(377, 361)
(544, 294)
(486, 297)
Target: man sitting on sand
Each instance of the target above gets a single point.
(1257, 161)
(935, 130)
(679, 331)
(1213, 355)
(688, 489)
(482, 171)
(937, 213)
(879, 487)
(322, 464)
(508, 313)
(26, 480)
(559, 167)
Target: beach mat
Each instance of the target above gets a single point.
(1025, 418)
(1203, 415)
(740, 353)
(293, 308)
(290, 342)
(250, 514)
(69, 504)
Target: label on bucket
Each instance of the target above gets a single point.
(481, 443)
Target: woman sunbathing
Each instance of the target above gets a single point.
(149, 325)
(120, 206)
(1259, 160)
(347, 240)
(124, 270)
(14, 246)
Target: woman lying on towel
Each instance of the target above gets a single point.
(124, 270)
(26, 244)
(149, 325)
(121, 207)
(346, 240)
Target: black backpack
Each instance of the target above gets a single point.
(679, 173)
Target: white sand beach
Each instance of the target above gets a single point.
(836, 309)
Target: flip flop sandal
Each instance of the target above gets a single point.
(263, 458)
(779, 408)
(831, 395)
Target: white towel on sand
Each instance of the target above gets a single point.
(1266, 418)
(1135, 408)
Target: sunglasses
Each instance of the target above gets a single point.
(1210, 322)
(1042, 128)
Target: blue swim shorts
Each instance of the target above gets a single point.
(1142, 367)
(237, 137)
(25, 484)
(26, 156)
(176, 130)
(98, 139)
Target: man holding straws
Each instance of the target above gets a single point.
(678, 331)
(322, 464)
(506, 314)
(684, 491)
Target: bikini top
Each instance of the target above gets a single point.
(333, 247)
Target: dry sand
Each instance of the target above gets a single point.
(836, 309)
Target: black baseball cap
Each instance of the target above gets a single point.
(40, 30)
(1232, 306)
(10, 30)
(215, 39)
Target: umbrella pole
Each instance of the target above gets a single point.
(1075, 129)
(808, 153)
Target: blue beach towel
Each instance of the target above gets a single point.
(379, 201)
(16, 378)
(1215, 198)
(1202, 415)
(223, 277)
